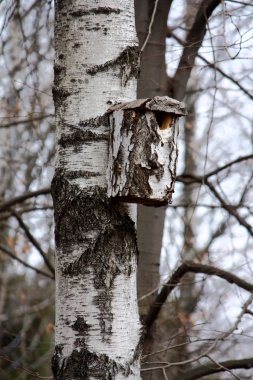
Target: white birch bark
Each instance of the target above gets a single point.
(97, 323)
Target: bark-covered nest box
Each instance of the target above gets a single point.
(143, 150)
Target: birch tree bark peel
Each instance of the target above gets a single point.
(143, 150)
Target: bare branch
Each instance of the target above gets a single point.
(15, 365)
(33, 241)
(21, 198)
(13, 256)
(217, 170)
(239, 2)
(193, 42)
(220, 337)
(207, 369)
(19, 313)
(150, 26)
(248, 311)
(15, 123)
(228, 165)
(185, 267)
(189, 179)
(213, 66)
(210, 206)
(231, 210)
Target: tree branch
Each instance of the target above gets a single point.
(230, 209)
(189, 179)
(196, 178)
(193, 42)
(185, 267)
(212, 66)
(15, 123)
(228, 165)
(13, 256)
(19, 313)
(21, 198)
(33, 241)
(207, 369)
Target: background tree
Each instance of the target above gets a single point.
(177, 86)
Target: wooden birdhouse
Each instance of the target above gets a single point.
(143, 150)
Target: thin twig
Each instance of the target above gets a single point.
(189, 266)
(228, 165)
(212, 66)
(221, 366)
(205, 369)
(21, 198)
(189, 179)
(27, 310)
(13, 256)
(33, 240)
(150, 26)
(24, 121)
(220, 337)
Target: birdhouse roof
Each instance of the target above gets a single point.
(158, 103)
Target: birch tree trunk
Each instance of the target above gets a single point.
(97, 324)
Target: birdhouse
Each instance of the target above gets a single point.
(143, 150)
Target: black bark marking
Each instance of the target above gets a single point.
(59, 70)
(103, 302)
(79, 137)
(78, 212)
(59, 95)
(99, 10)
(95, 122)
(109, 254)
(80, 173)
(92, 28)
(83, 364)
(77, 45)
(80, 326)
(128, 60)
(105, 10)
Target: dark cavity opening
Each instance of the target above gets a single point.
(160, 117)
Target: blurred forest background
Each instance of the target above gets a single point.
(200, 52)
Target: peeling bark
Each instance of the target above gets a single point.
(97, 324)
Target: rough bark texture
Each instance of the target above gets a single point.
(97, 324)
(143, 150)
